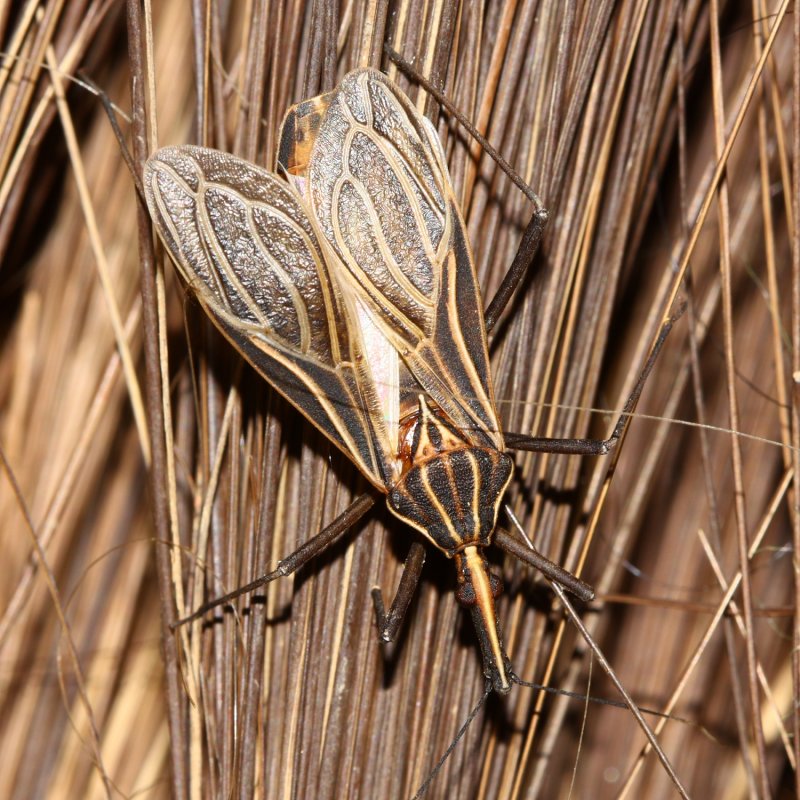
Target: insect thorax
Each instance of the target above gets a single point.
(451, 490)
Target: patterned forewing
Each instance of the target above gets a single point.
(379, 198)
(378, 186)
(243, 234)
(245, 244)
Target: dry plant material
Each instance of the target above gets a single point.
(619, 115)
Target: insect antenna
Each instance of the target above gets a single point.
(452, 746)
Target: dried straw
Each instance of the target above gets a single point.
(117, 402)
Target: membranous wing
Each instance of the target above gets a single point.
(375, 179)
(245, 244)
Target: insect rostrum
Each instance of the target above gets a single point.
(347, 282)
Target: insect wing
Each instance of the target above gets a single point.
(378, 187)
(299, 131)
(382, 370)
(244, 242)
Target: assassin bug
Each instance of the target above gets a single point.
(347, 282)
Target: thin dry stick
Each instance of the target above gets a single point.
(733, 408)
(155, 404)
(699, 399)
(114, 314)
(735, 618)
(796, 382)
(69, 477)
(781, 385)
(725, 152)
(55, 596)
(721, 609)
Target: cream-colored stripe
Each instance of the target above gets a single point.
(477, 487)
(391, 94)
(392, 267)
(485, 600)
(388, 150)
(434, 501)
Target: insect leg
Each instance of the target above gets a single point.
(519, 266)
(389, 624)
(286, 566)
(111, 113)
(548, 568)
(595, 447)
(441, 99)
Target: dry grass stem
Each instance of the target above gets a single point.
(149, 469)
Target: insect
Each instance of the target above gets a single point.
(347, 281)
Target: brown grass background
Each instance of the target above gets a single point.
(610, 111)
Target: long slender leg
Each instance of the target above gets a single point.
(286, 566)
(519, 267)
(389, 624)
(441, 99)
(548, 568)
(595, 447)
(110, 110)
